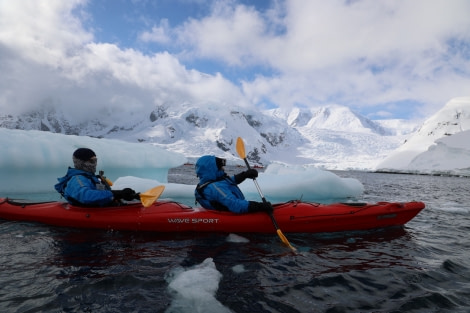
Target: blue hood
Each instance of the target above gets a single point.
(206, 169)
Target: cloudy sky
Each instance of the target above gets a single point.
(382, 58)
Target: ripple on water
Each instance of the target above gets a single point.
(422, 267)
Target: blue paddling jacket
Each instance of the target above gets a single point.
(216, 190)
(83, 188)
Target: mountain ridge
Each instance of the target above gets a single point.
(331, 137)
(334, 117)
(209, 128)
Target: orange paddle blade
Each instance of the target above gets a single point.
(241, 148)
(150, 196)
(285, 241)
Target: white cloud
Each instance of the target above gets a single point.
(47, 57)
(43, 31)
(356, 53)
(158, 34)
(320, 34)
(230, 33)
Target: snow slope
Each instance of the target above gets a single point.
(441, 145)
(449, 155)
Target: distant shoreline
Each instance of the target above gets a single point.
(444, 174)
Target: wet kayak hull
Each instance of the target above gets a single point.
(162, 216)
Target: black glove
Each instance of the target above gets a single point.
(251, 173)
(127, 194)
(260, 207)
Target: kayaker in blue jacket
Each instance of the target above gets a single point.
(80, 186)
(217, 191)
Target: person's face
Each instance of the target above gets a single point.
(91, 164)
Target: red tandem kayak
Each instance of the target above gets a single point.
(164, 216)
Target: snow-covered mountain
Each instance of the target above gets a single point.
(331, 137)
(338, 138)
(333, 117)
(441, 144)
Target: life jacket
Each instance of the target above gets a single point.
(71, 172)
(203, 201)
(216, 190)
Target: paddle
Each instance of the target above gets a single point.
(147, 198)
(150, 196)
(241, 153)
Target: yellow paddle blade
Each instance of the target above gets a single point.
(241, 148)
(285, 241)
(150, 196)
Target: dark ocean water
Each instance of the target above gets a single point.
(423, 267)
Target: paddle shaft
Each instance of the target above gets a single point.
(104, 180)
(241, 152)
(262, 196)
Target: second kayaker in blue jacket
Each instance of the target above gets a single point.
(217, 191)
(80, 186)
